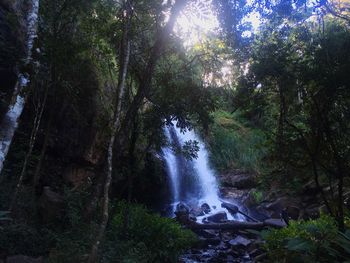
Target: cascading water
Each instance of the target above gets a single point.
(10, 121)
(192, 181)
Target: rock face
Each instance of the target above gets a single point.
(51, 205)
(94, 153)
(283, 204)
(238, 179)
(78, 176)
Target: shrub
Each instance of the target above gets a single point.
(146, 237)
(232, 145)
(74, 237)
(308, 241)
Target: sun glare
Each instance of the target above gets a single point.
(196, 21)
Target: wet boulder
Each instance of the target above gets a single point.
(182, 208)
(206, 208)
(217, 218)
(197, 211)
(240, 241)
(233, 209)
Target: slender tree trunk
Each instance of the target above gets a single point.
(318, 185)
(340, 173)
(281, 122)
(131, 172)
(134, 137)
(92, 204)
(341, 201)
(35, 129)
(124, 61)
(37, 172)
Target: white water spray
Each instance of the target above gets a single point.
(192, 181)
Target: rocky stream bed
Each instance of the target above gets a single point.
(242, 244)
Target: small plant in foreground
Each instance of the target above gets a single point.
(308, 241)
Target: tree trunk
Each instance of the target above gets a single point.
(95, 196)
(36, 177)
(124, 61)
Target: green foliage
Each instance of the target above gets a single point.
(308, 241)
(233, 145)
(75, 240)
(144, 237)
(258, 196)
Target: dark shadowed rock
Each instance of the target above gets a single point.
(229, 258)
(255, 252)
(281, 203)
(230, 193)
(206, 208)
(293, 212)
(205, 233)
(213, 241)
(77, 176)
(312, 212)
(275, 208)
(238, 179)
(217, 218)
(197, 211)
(233, 209)
(94, 153)
(274, 222)
(245, 181)
(182, 208)
(240, 241)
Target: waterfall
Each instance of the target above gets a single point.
(10, 121)
(192, 181)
